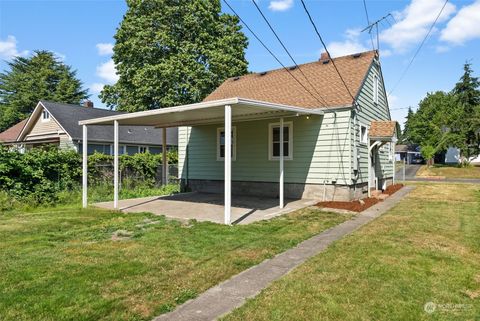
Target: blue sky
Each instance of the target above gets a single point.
(81, 34)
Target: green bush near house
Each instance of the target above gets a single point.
(45, 176)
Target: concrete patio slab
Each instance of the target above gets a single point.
(209, 207)
(225, 297)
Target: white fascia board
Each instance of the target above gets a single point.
(203, 105)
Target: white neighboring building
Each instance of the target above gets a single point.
(453, 156)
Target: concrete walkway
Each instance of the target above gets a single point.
(223, 298)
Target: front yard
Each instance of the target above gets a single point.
(419, 261)
(446, 171)
(73, 264)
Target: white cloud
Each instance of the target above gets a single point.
(414, 22)
(96, 88)
(280, 5)
(104, 49)
(352, 44)
(8, 48)
(464, 26)
(108, 72)
(60, 56)
(441, 49)
(392, 101)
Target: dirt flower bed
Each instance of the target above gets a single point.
(393, 188)
(360, 205)
(354, 206)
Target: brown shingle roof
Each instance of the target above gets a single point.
(277, 86)
(382, 128)
(10, 135)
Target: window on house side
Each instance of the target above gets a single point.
(274, 141)
(375, 89)
(221, 143)
(363, 134)
(142, 149)
(45, 116)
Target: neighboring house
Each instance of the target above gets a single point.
(57, 124)
(404, 152)
(334, 145)
(452, 156)
(9, 136)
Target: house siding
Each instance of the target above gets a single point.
(317, 156)
(371, 111)
(44, 127)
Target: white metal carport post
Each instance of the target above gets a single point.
(228, 163)
(281, 164)
(164, 157)
(84, 167)
(115, 164)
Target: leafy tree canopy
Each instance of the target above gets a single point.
(28, 80)
(173, 52)
(446, 120)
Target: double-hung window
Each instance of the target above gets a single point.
(221, 143)
(363, 134)
(274, 141)
(375, 89)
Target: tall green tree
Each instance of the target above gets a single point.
(464, 123)
(30, 79)
(173, 52)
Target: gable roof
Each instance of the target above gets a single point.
(382, 129)
(68, 116)
(10, 135)
(278, 86)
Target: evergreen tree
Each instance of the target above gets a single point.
(173, 52)
(28, 80)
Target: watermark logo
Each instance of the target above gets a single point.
(430, 307)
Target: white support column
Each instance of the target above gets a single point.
(115, 164)
(281, 180)
(164, 157)
(369, 174)
(394, 162)
(84, 167)
(228, 163)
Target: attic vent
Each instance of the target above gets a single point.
(325, 62)
(356, 55)
(263, 73)
(236, 78)
(293, 68)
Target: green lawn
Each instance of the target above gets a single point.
(62, 264)
(426, 249)
(449, 171)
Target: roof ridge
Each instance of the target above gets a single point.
(318, 61)
(76, 106)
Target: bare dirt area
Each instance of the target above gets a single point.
(359, 205)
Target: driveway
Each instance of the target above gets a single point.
(209, 207)
(410, 171)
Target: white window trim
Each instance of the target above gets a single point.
(362, 140)
(44, 120)
(288, 124)
(146, 149)
(375, 89)
(234, 143)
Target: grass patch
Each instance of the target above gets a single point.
(449, 171)
(73, 264)
(426, 249)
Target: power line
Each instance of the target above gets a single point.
(286, 50)
(419, 48)
(326, 50)
(269, 51)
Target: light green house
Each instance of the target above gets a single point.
(233, 142)
(325, 155)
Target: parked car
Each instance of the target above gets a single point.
(417, 159)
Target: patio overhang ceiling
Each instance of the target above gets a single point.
(210, 112)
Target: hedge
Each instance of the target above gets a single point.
(40, 174)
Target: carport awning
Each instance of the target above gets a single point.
(204, 113)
